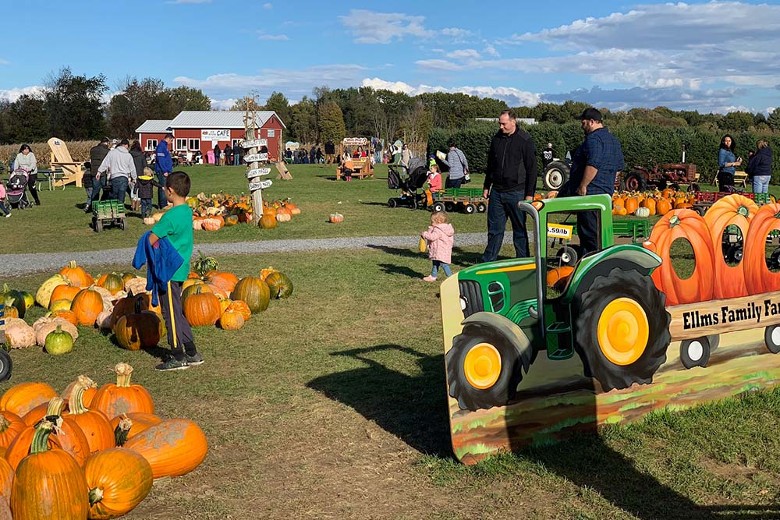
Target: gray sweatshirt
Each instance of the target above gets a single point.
(26, 162)
(457, 162)
(118, 163)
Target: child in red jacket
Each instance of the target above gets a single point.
(440, 237)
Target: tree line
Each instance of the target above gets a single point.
(73, 107)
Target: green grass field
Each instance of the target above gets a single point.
(332, 403)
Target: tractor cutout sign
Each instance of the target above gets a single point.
(539, 348)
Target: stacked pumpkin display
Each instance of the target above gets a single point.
(649, 203)
(211, 296)
(713, 277)
(90, 452)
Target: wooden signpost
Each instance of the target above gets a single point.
(253, 145)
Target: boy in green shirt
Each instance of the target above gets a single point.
(176, 226)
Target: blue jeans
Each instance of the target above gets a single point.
(98, 186)
(146, 207)
(445, 267)
(500, 207)
(761, 183)
(236, 159)
(119, 189)
(89, 195)
(453, 183)
(162, 200)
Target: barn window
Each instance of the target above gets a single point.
(271, 132)
(194, 144)
(151, 144)
(181, 144)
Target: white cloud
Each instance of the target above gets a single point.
(272, 37)
(268, 5)
(462, 54)
(455, 33)
(15, 93)
(374, 27)
(490, 51)
(511, 95)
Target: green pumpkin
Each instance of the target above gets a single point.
(58, 342)
(280, 285)
(13, 298)
(254, 292)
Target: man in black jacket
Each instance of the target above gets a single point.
(510, 179)
(96, 155)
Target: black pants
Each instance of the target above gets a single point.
(588, 231)
(725, 181)
(31, 181)
(179, 331)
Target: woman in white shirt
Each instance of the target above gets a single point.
(25, 160)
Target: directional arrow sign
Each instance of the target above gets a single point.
(256, 157)
(257, 172)
(257, 184)
(254, 143)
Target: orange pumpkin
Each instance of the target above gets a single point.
(112, 282)
(48, 482)
(268, 221)
(631, 205)
(6, 481)
(732, 210)
(758, 277)
(649, 203)
(122, 397)
(173, 447)
(87, 305)
(231, 320)
(688, 225)
(64, 292)
(201, 307)
(558, 276)
(95, 425)
(241, 307)
(224, 281)
(10, 426)
(90, 388)
(118, 480)
(23, 397)
(77, 275)
(139, 330)
(138, 422)
(69, 316)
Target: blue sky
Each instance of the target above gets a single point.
(712, 56)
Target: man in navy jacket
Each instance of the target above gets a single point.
(163, 165)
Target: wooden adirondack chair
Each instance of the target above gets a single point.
(284, 173)
(60, 158)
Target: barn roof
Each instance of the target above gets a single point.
(218, 119)
(154, 126)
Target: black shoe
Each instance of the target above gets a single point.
(195, 359)
(172, 364)
(88, 210)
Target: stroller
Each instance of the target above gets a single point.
(409, 180)
(17, 186)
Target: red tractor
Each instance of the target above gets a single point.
(638, 178)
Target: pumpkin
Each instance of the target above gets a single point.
(112, 282)
(241, 307)
(58, 342)
(87, 305)
(43, 294)
(194, 287)
(557, 276)
(10, 426)
(279, 285)
(64, 292)
(48, 482)
(294, 209)
(283, 217)
(650, 204)
(136, 285)
(122, 397)
(336, 218)
(103, 321)
(224, 281)
(231, 220)
(732, 210)
(632, 203)
(231, 320)
(267, 221)
(6, 484)
(254, 292)
(69, 437)
(201, 307)
(133, 303)
(43, 326)
(211, 224)
(93, 423)
(150, 221)
(90, 388)
(68, 316)
(139, 330)
(18, 334)
(688, 225)
(60, 305)
(758, 277)
(173, 447)
(137, 422)
(76, 275)
(662, 207)
(10, 312)
(12, 298)
(118, 480)
(642, 212)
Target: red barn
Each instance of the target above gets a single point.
(202, 130)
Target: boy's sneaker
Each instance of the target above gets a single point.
(7, 215)
(195, 360)
(172, 364)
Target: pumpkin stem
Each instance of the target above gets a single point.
(95, 496)
(40, 442)
(122, 430)
(4, 423)
(123, 372)
(56, 405)
(674, 221)
(76, 402)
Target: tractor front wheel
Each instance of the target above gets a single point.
(483, 368)
(622, 330)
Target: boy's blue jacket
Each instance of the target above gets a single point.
(163, 261)
(163, 162)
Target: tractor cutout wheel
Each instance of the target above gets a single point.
(772, 339)
(622, 330)
(484, 368)
(695, 352)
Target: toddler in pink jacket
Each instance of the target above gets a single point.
(440, 237)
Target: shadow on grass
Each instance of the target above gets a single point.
(460, 257)
(410, 407)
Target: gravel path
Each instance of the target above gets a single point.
(20, 264)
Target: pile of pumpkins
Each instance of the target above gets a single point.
(212, 213)
(88, 452)
(119, 304)
(649, 203)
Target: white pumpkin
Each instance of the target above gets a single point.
(642, 212)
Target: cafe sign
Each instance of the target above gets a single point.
(215, 135)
